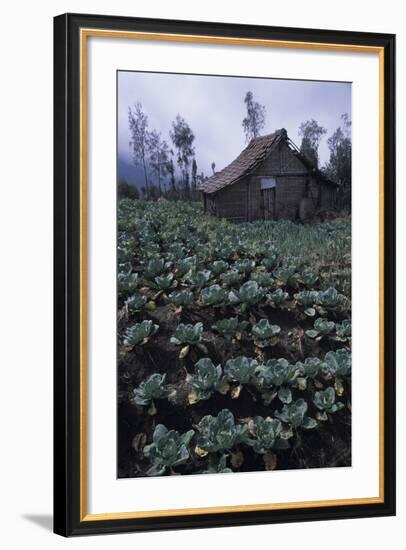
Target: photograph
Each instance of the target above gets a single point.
(233, 274)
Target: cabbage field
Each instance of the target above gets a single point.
(234, 342)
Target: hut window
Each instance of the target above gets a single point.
(268, 183)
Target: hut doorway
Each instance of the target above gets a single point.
(268, 191)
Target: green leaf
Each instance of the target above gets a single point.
(285, 395)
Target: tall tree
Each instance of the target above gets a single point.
(172, 181)
(213, 167)
(194, 178)
(311, 133)
(158, 155)
(183, 138)
(255, 119)
(138, 124)
(338, 167)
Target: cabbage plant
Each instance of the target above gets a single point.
(213, 295)
(220, 433)
(241, 369)
(308, 278)
(287, 275)
(207, 378)
(311, 367)
(219, 266)
(263, 278)
(294, 414)
(265, 432)
(307, 297)
(135, 302)
(167, 450)
(343, 330)
(230, 328)
(152, 388)
(163, 282)
(185, 265)
(250, 293)
(265, 334)
(154, 267)
(329, 298)
(140, 333)
(127, 282)
(322, 327)
(244, 266)
(199, 278)
(326, 402)
(231, 277)
(187, 334)
(182, 297)
(277, 372)
(337, 363)
(278, 297)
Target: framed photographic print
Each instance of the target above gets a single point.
(224, 274)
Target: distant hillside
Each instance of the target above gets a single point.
(130, 173)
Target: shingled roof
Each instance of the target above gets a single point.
(246, 162)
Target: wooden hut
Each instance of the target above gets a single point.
(270, 179)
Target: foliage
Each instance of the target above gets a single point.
(241, 369)
(187, 334)
(140, 333)
(250, 293)
(180, 270)
(213, 295)
(265, 432)
(136, 302)
(182, 297)
(220, 433)
(311, 367)
(264, 333)
(219, 266)
(254, 120)
(230, 328)
(164, 281)
(326, 401)
(207, 378)
(343, 330)
(217, 465)
(278, 297)
(337, 363)
(152, 388)
(311, 133)
(154, 267)
(294, 414)
(167, 450)
(263, 278)
(127, 282)
(322, 327)
(276, 372)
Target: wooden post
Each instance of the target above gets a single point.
(248, 215)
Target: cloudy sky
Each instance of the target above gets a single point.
(214, 108)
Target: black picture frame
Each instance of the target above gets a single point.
(67, 352)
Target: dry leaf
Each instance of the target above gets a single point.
(183, 352)
(139, 442)
(152, 409)
(235, 392)
(200, 452)
(338, 386)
